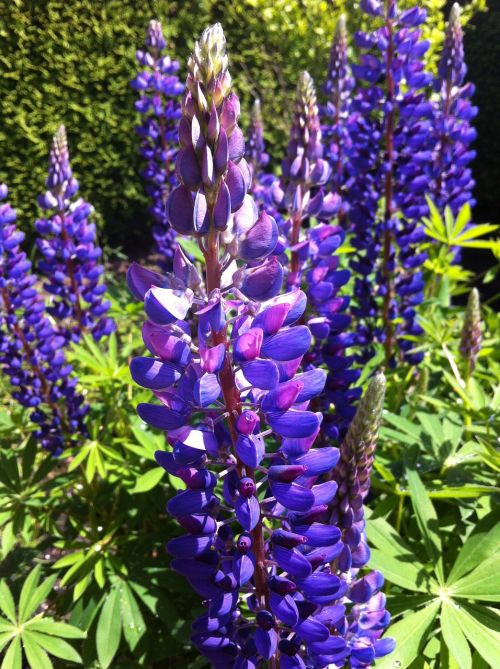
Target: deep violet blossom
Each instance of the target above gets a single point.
(335, 115)
(159, 105)
(392, 141)
(227, 350)
(453, 182)
(70, 254)
(314, 263)
(31, 351)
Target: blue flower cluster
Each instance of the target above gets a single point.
(67, 242)
(235, 399)
(159, 106)
(31, 350)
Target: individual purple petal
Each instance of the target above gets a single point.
(189, 546)
(248, 512)
(236, 145)
(287, 344)
(250, 450)
(198, 523)
(206, 390)
(261, 373)
(207, 167)
(384, 646)
(248, 345)
(320, 583)
(140, 280)
(291, 561)
(161, 417)
(319, 460)
(292, 496)
(221, 155)
(188, 168)
(266, 642)
(179, 210)
(294, 423)
(201, 221)
(260, 240)
(236, 184)
(213, 358)
(284, 608)
(154, 374)
(263, 282)
(222, 208)
(318, 534)
(324, 492)
(247, 422)
(165, 305)
(190, 501)
(311, 630)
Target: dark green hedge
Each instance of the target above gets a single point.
(71, 61)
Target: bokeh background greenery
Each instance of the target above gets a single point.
(71, 61)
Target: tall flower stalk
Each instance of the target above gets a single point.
(396, 114)
(67, 242)
(453, 182)
(31, 350)
(159, 106)
(227, 349)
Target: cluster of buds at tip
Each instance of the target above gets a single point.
(225, 366)
(159, 106)
(67, 242)
(31, 350)
(255, 152)
(470, 340)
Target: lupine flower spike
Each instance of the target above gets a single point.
(335, 115)
(67, 242)
(255, 151)
(31, 351)
(470, 340)
(392, 140)
(314, 262)
(453, 182)
(159, 106)
(226, 349)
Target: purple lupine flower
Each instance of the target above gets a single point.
(67, 242)
(335, 115)
(313, 260)
(453, 182)
(470, 338)
(227, 350)
(159, 105)
(393, 126)
(255, 150)
(31, 351)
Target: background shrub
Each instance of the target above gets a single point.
(72, 62)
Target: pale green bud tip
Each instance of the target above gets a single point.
(365, 425)
(306, 91)
(455, 14)
(256, 111)
(473, 303)
(341, 28)
(209, 58)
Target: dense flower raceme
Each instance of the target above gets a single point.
(67, 242)
(227, 350)
(159, 106)
(313, 261)
(255, 150)
(394, 131)
(453, 181)
(31, 351)
(335, 115)
(470, 339)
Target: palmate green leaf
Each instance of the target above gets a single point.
(402, 572)
(13, 655)
(109, 628)
(454, 637)
(410, 635)
(482, 583)
(483, 543)
(8, 539)
(485, 640)
(54, 646)
(148, 480)
(5, 638)
(461, 491)
(56, 628)
(134, 626)
(35, 654)
(473, 232)
(426, 519)
(7, 602)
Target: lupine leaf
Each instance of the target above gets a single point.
(35, 654)
(109, 629)
(453, 636)
(35, 597)
(54, 646)
(482, 583)
(401, 571)
(410, 636)
(49, 626)
(13, 656)
(7, 602)
(134, 626)
(148, 480)
(481, 544)
(486, 641)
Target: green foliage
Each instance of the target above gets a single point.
(71, 63)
